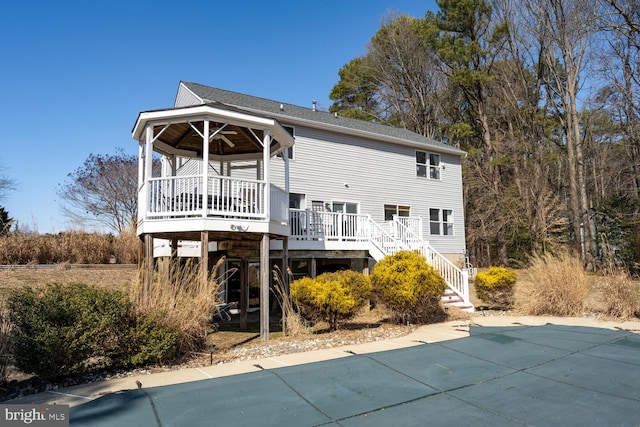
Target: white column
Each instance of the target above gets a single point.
(266, 175)
(205, 168)
(148, 169)
(141, 198)
(285, 156)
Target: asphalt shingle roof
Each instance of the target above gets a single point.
(273, 109)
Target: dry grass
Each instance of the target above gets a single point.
(75, 247)
(553, 285)
(292, 322)
(119, 278)
(5, 345)
(619, 296)
(179, 298)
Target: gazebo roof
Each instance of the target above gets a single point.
(232, 131)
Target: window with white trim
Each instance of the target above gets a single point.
(427, 165)
(391, 210)
(441, 222)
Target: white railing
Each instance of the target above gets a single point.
(279, 204)
(307, 224)
(456, 278)
(184, 196)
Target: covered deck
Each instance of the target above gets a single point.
(214, 182)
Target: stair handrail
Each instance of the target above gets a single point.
(456, 278)
(382, 240)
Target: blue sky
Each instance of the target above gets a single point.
(77, 73)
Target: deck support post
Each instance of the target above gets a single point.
(244, 294)
(285, 264)
(148, 267)
(264, 288)
(204, 257)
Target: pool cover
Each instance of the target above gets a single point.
(522, 375)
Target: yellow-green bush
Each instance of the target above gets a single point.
(408, 286)
(332, 297)
(496, 286)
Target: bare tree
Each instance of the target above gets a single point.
(7, 184)
(565, 29)
(103, 191)
(399, 81)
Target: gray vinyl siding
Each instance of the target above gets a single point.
(185, 98)
(375, 174)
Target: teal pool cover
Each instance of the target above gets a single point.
(504, 376)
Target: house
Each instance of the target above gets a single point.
(294, 186)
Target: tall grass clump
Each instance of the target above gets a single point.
(179, 299)
(293, 324)
(554, 285)
(619, 296)
(125, 247)
(6, 329)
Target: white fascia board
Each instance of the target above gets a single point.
(199, 112)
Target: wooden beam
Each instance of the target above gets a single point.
(251, 137)
(264, 288)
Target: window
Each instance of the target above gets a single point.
(427, 163)
(441, 222)
(296, 201)
(345, 207)
(391, 210)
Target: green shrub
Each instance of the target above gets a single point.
(66, 330)
(57, 331)
(496, 286)
(408, 286)
(332, 297)
(149, 340)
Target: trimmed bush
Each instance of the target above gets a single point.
(496, 286)
(332, 297)
(408, 286)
